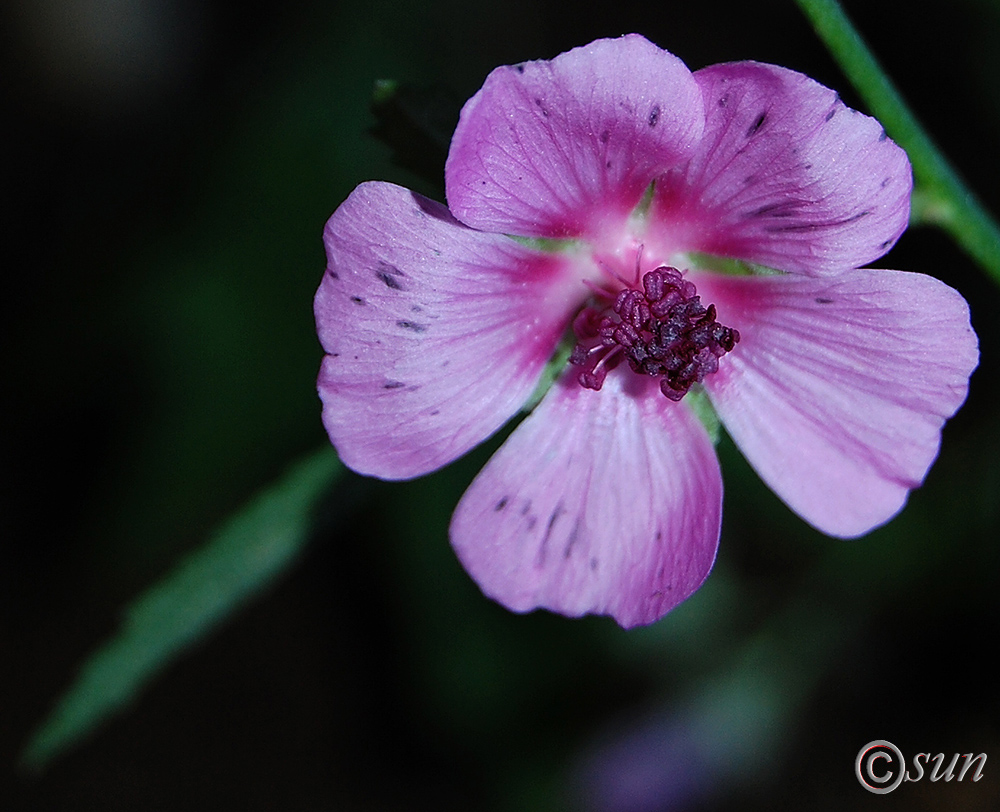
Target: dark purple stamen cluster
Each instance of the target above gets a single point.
(663, 330)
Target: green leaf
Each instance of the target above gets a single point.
(416, 123)
(243, 557)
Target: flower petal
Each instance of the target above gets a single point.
(559, 148)
(786, 176)
(839, 387)
(435, 334)
(603, 502)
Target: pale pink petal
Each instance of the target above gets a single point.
(839, 387)
(561, 148)
(786, 176)
(602, 502)
(435, 334)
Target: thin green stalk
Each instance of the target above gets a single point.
(940, 197)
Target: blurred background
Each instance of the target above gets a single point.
(169, 168)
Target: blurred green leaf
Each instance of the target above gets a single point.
(244, 556)
(416, 123)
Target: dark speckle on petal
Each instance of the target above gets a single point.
(519, 68)
(393, 385)
(412, 325)
(357, 300)
(654, 115)
(823, 300)
(783, 208)
(755, 127)
(815, 226)
(831, 114)
(573, 538)
(385, 273)
(332, 273)
(543, 547)
(501, 504)
(559, 511)
(541, 106)
(883, 135)
(605, 136)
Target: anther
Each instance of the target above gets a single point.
(663, 330)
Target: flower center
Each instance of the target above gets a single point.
(663, 330)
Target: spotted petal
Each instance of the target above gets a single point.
(603, 502)
(839, 387)
(786, 176)
(566, 147)
(435, 334)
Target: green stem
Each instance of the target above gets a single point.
(941, 197)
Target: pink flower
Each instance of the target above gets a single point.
(622, 176)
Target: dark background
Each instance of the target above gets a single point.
(168, 170)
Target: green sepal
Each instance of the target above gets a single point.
(698, 402)
(547, 245)
(727, 265)
(553, 369)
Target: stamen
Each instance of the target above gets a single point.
(663, 330)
